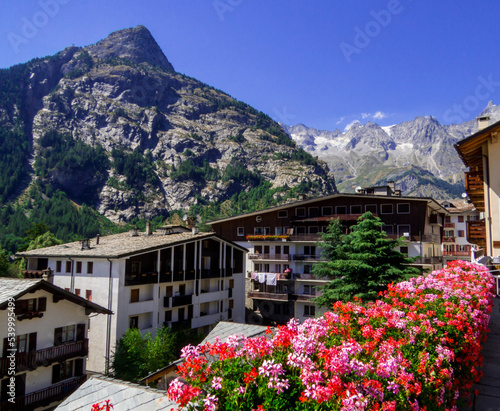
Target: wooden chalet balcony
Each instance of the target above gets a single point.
(305, 237)
(45, 357)
(277, 257)
(474, 185)
(449, 225)
(268, 296)
(40, 398)
(476, 233)
(448, 239)
(456, 253)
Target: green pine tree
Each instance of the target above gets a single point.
(361, 263)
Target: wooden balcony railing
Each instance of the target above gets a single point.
(474, 181)
(456, 253)
(40, 398)
(449, 225)
(448, 239)
(476, 232)
(279, 257)
(45, 357)
(269, 296)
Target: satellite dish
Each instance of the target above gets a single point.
(464, 195)
(358, 189)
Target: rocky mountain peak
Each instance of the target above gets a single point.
(135, 44)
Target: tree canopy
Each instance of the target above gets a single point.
(361, 263)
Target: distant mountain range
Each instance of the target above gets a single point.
(418, 155)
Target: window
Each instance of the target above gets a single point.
(88, 295)
(403, 230)
(461, 233)
(258, 230)
(389, 229)
(68, 266)
(134, 322)
(404, 208)
(449, 248)
(77, 292)
(371, 208)
(313, 230)
(386, 209)
(309, 290)
(307, 268)
(327, 210)
(447, 219)
(460, 218)
(341, 210)
(135, 268)
(241, 231)
(58, 266)
(67, 369)
(134, 295)
(300, 212)
(78, 267)
(462, 247)
(309, 310)
(313, 212)
(403, 250)
(278, 230)
(90, 267)
(301, 230)
(26, 343)
(267, 230)
(168, 316)
(283, 214)
(356, 209)
(65, 334)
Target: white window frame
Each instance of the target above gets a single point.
(401, 231)
(240, 231)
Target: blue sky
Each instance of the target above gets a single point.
(321, 63)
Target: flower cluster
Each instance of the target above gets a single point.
(416, 348)
(267, 237)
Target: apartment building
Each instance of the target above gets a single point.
(482, 184)
(283, 244)
(43, 332)
(174, 277)
(455, 243)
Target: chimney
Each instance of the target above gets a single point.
(97, 239)
(392, 186)
(148, 228)
(483, 122)
(190, 222)
(194, 230)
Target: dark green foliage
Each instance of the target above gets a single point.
(138, 168)
(241, 174)
(189, 170)
(188, 153)
(84, 65)
(4, 263)
(60, 153)
(238, 138)
(361, 263)
(136, 355)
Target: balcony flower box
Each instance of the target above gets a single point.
(267, 237)
(29, 315)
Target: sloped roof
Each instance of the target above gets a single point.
(120, 245)
(225, 329)
(124, 396)
(458, 206)
(18, 287)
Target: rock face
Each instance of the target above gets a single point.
(418, 155)
(171, 141)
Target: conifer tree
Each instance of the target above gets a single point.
(361, 263)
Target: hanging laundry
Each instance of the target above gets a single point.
(271, 278)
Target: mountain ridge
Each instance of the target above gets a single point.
(369, 155)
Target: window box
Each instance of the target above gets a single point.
(29, 315)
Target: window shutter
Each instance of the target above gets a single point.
(21, 306)
(5, 347)
(32, 342)
(42, 304)
(57, 336)
(56, 373)
(80, 332)
(78, 367)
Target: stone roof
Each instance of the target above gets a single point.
(124, 396)
(225, 329)
(458, 206)
(18, 287)
(118, 245)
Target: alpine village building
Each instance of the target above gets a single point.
(283, 244)
(44, 343)
(175, 277)
(482, 184)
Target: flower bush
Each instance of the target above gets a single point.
(416, 348)
(267, 237)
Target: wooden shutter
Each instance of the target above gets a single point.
(32, 342)
(80, 332)
(57, 336)
(5, 347)
(42, 304)
(78, 367)
(56, 373)
(21, 306)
